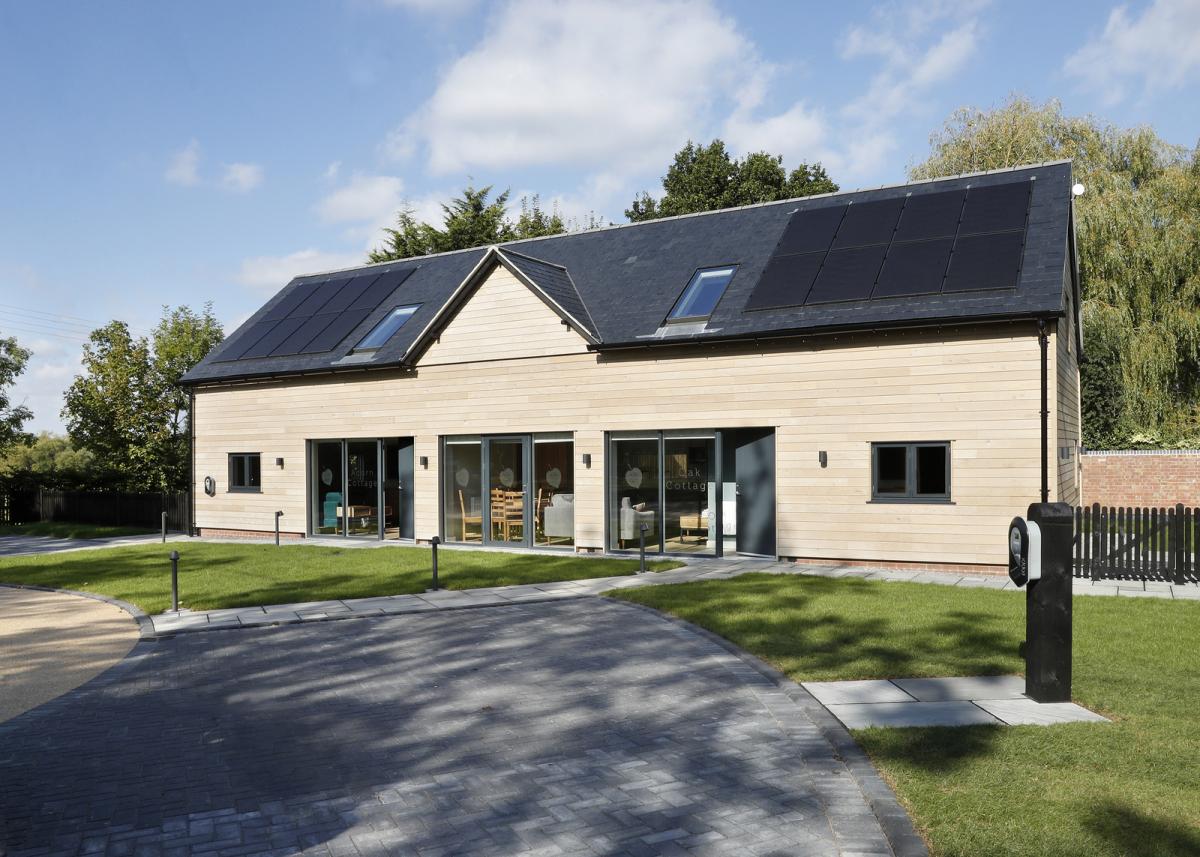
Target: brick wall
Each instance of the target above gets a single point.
(1141, 478)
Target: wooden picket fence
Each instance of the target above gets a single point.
(1125, 543)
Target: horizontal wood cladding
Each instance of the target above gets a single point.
(503, 320)
(977, 388)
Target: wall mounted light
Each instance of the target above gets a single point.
(279, 462)
(424, 459)
(586, 458)
(823, 457)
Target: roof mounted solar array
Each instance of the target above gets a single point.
(949, 241)
(314, 317)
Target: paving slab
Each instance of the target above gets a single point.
(908, 714)
(1026, 712)
(851, 692)
(966, 688)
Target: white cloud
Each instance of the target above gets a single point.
(611, 85)
(184, 169)
(430, 6)
(363, 198)
(1160, 50)
(331, 171)
(798, 133)
(240, 178)
(271, 273)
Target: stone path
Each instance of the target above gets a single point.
(51, 642)
(969, 701)
(585, 727)
(275, 614)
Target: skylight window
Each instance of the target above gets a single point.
(703, 292)
(383, 331)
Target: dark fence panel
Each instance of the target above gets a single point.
(115, 509)
(18, 507)
(1122, 543)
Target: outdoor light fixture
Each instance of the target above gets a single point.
(823, 457)
(586, 458)
(424, 462)
(279, 462)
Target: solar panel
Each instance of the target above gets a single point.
(914, 268)
(810, 230)
(848, 275)
(995, 208)
(984, 262)
(316, 301)
(383, 286)
(274, 337)
(930, 215)
(786, 281)
(290, 301)
(303, 334)
(868, 223)
(341, 299)
(336, 332)
(246, 340)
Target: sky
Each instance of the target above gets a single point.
(182, 153)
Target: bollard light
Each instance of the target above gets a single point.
(164, 527)
(642, 547)
(175, 581)
(433, 544)
(278, 515)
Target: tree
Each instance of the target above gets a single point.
(469, 220)
(705, 178)
(13, 359)
(1138, 230)
(50, 461)
(127, 409)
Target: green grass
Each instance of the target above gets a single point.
(1130, 787)
(213, 576)
(64, 530)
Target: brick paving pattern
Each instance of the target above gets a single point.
(582, 727)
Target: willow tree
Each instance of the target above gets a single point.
(1138, 228)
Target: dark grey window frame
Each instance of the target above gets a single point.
(910, 494)
(244, 489)
(368, 349)
(692, 319)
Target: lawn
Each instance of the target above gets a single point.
(65, 530)
(1124, 788)
(212, 576)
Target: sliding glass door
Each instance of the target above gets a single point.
(508, 490)
(361, 488)
(663, 486)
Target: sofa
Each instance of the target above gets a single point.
(558, 518)
(631, 520)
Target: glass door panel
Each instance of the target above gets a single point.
(507, 500)
(361, 509)
(463, 494)
(690, 492)
(327, 487)
(634, 504)
(554, 497)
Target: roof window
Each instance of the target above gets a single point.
(702, 294)
(383, 331)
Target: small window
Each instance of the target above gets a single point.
(910, 471)
(703, 292)
(383, 331)
(245, 471)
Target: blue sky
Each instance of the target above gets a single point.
(188, 152)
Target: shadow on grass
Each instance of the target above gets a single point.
(1134, 832)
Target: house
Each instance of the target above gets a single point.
(887, 375)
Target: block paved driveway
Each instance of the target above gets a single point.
(576, 728)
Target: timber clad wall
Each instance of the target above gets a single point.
(1065, 414)
(978, 388)
(1142, 478)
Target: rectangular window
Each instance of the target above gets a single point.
(910, 471)
(245, 471)
(383, 331)
(702, 294)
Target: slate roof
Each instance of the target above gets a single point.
(619, 283)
